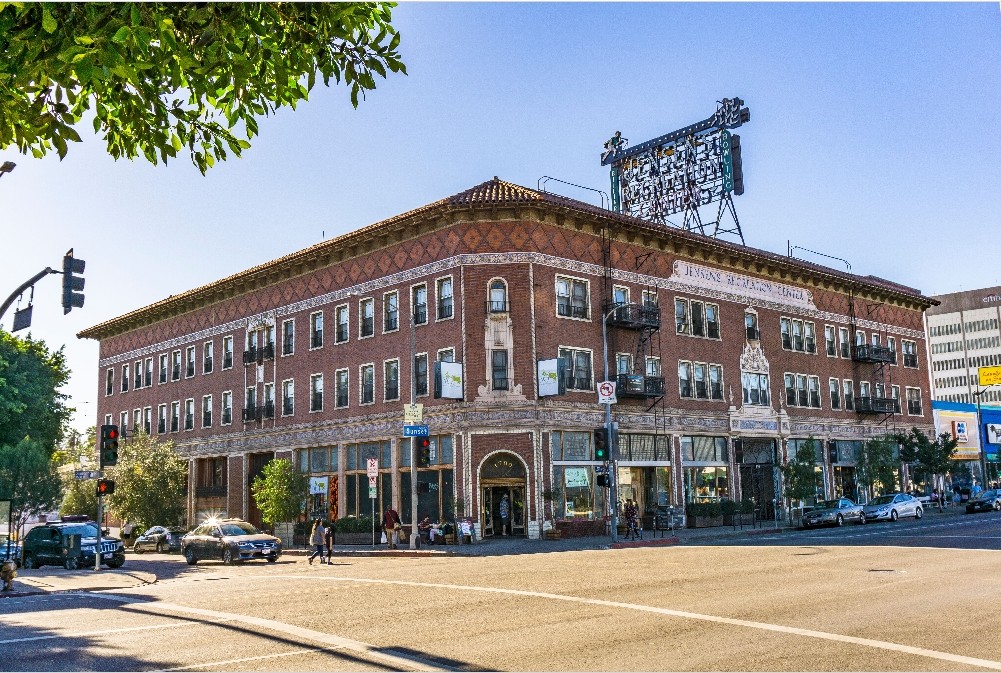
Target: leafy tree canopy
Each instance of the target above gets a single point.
(930, 456)
(279, 492)
(875, 464)
(150, 479)
(163, 77)
(30, 402)
(28, 479)
(799, 473)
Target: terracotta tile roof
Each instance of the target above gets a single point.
(492, 193)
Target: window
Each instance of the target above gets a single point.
(810, 337)
(125, 378)
(123, 422)
(148, 420)
(849, 389)
(498, 370)
(863, 390)
(715, 382)
(250, 404)
(577, 362)
(712, 321)
(138, 383)
(446, 355)
(251, 353)
(909, 349)
(288, 337)
(175, 416)
(316, 392)
(755, 388)
(891, 345)
(391, 379)
(895, 394)
(444, 298)
(175, 366)
(835, 391)
(288, 397)
(189, 414)
(681, 319)
(798, 335)
(137, 417)
(685, 387)
(341, 318)
(107, 419)
(367, 375)
(859, 338)
(206, 411)
(269, 400)
(227, 405)
(163, 367)
(623, 363)
(227, 352)
(161, 419)
(421, 373)
(148, 372)
(367, 326)
(316, 330)
(829, 341)
(498, 297)
(207, 353)
(269, 342)
(845, 342)
(914, 402)
(572, 298)
(189, 360)
(813, 385)
(785, 328)
(341, 388)
(649, 298)
(390, 312)
(419, 304)
(109, 382)
(697, 318)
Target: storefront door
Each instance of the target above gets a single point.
(503, 475)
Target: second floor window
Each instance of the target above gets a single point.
(175, 416)
(288, 397)
(390, 312)
(163, 368)
(498, 370)
(109, 382)
(189, 414)
(207, 411)
(835, 392)
(444, 298)
(829, 343)
(700, 380)
(125, 378)
(161, 421)
(419, 303)
(497, 303)
(367, 310)
(316, 392)
(148, 372)
(578, 368)
(421, 374)
(751, 326)
(189, 369)
(914, 401)
(139, 375)
(227, 408)
(341, 388)
(288, 337)
(175, 366)
(909, 349)
(227, 352)
(368, 384)
(755, 388)
(392, 379)
(844, 342)
(849, 390)
(572, 300)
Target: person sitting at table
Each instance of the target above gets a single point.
(425, 527)
(440, 529)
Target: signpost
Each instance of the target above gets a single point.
(86, 474)
(415, 431)
(413, 414)
(372, 470)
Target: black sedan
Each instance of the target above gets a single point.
(159, 539)
(230, 541)
(985, 502)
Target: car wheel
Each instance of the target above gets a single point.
(28, 562)
(159, 547)
(918, 513)
(189, 556)
(272, 558)
(227, 556)
(116, 562)
(861, 519)
(893, 515)
(70, 563)
(841, 521)
(136, 548)
(997, 505)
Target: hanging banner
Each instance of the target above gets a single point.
(448, 380)
(549, 377)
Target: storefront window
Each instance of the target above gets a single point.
(572, 446)
(705, 484)
(435, 486)
(648, 487)
(704, 449)
(578, 496)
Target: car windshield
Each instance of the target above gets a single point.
(828, 504)
(84, 530)
(242, 528)
(882, 500)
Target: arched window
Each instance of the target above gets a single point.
(498, 296)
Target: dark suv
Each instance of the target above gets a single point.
(54, 544)
(231, 541)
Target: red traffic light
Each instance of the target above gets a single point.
(423, 443)
(105, 487)
(113, 433)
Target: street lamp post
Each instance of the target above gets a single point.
(613, 453)
(413, 456)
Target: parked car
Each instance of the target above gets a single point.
(50, 544)
(893, 506)
(833, 513)
(9, 548)
(985, 502)
(231, 541)
(159, 539)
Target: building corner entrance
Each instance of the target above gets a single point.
(503, 484)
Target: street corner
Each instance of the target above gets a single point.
(58, 580)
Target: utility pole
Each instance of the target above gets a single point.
(413, 456)
(981, 435)
(613, 449)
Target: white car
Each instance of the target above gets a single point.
(893, 506)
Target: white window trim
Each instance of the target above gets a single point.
(222, 407)
(337, 323)
(284, 396)
(429, 375)
(232, 353)
(282, 345)
(110, 370)
(137, 369)
(312, 330)
(207, 346)
(193, 426)
(445, 350)
(361, 383)
(907, 400)
(180, 364)
(209, 398)
(399, 380)
(312, 379)
(837, 382)
(556, 284)
(427, 304)
(621, 287)
(166, 419)
(175, 404)
(193, 360)
(107, 419)
(384, 303)
(361, 317)
(616, 361)
(590, 374)
(347, 382)
(437, 298)
(834, 328)
(124, 387)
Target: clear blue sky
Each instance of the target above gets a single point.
(874, 136)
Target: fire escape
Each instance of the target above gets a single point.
(871, 362)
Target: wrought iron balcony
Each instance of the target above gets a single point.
(637, 385)
(210, 491)
(249, 414)
(269, 410)
(871, 353)
(250, 356)
(497, 307)
(569, 311)
(877, 405)
(632, 316)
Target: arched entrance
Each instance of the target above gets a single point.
(502, 474)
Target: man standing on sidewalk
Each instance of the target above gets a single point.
(390, 523)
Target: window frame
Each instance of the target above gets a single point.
(339, 311)
(315, 335)
(438, 284)
(208, 399)
(571, 367)
(366, 302)
(161, 415)
(386, 378)
(288, 393)
(125, 377)
(342, 381)
(190, 362)
(288, 340)
(571, 309)
(109, 382)
(227, 396)
(414, 304)
(386, 312)
(417, 377)
(228, 339)
(208, 357)
(314, 379)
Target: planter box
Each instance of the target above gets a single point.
(704, 521)
(357, 538)
(581, 528)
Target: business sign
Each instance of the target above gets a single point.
(993, 433)
(415, 431)
(959, 431)
(372, 467)
(549, 377)
(413, 413)
(679, 171)
(448, 377)
(317, 485)
(989, 376)
(719, 280)
(606, 393)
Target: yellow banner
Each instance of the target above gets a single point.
(989, 376)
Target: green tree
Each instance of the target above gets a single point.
(28, 479)
(279, 492)
(799, 474)
(79, 497)
(30, 402)
(150, 481)
(931, 459)
(163, 77)
(874, 466)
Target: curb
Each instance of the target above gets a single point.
(661, 542)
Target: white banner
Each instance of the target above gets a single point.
(317, 485)
(606, 393)
(549, 377)
(451, 380)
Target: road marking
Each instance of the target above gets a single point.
(82, 634)
(399, 662)
(764, 626)
(245, 659)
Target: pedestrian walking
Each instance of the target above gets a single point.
(505, 513)
(316, 539)
(632, 520)
(391, 525)
(328, 539)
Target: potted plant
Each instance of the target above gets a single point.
(704, 514)
(355, 530)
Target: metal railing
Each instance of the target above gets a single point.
(569, 311)
(872, 353)
(877, 405)
(497, 307)
(637, 385)
(635, 316)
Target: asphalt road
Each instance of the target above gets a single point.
(910, 596)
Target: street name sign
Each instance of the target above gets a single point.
(413, 413)
(372, 467)
(415, 431)
(87, 474)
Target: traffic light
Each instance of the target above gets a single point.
(109, 447)
(601, 443)
(105, 487)
(71, 282)
(603, 480)
(423, 452)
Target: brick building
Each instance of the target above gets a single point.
(727, 359)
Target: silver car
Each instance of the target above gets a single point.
(833, 513)
(893, 506)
